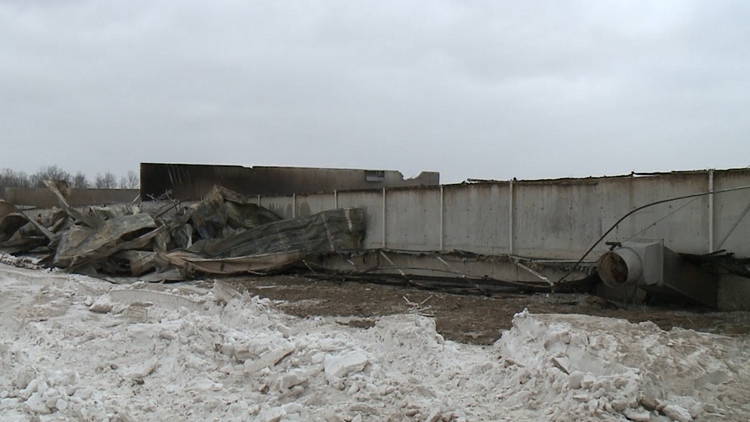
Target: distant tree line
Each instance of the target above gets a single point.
(18, 179)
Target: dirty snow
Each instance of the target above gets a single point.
(76, 348)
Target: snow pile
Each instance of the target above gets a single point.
(74, 348)
(576, 365)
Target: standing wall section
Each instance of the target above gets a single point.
(412, 219)
(732, 213)
(557, 219)
(476, 218)
(371, 201)
(683, 224)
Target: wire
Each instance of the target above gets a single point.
(662, 219)
(695, 195)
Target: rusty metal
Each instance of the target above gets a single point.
(619, 268)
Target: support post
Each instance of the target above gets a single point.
(258, 200)
(335, 199)
(711, 211)
(442, 221)
(294, 205)
(510, 220)
(384, 208)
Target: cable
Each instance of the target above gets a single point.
(636, 210)
(661, 219)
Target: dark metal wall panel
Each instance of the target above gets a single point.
(191, 181)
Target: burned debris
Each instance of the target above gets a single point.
(222, 234)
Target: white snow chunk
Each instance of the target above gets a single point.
(574, 380)
(268, 358)
(290, 380)
(102, 305)
(292, 408)
(30, 389)
(677, 413)
(273, 414)
(342, 365)
(7, 403)
(61, 405)
(637, 416)
(143, 369)
(588, 381)
(36, 404)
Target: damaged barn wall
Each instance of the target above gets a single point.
(369, 200)
(193, 181)
(551, 219)
(555, 219)
(44, 198)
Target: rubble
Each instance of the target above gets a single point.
(223, 234)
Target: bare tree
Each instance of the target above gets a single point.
(130, 182)
(80, 181)
(53, 172)
(106, 181)
(13, 179)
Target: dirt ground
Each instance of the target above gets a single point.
(465, 318)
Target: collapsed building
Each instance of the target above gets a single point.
(669, 236)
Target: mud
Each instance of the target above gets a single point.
(466, 318)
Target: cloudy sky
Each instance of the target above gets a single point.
(473, 89)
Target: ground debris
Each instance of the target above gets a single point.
(221, 235)
(419, 308)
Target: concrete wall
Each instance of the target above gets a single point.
(44, 198)
(190, 182)
(550, 219)
(542, 220)
(733, 293)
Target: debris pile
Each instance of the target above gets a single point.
(222, 234)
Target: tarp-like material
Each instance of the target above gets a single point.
(320, 233)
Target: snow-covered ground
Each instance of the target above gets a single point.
(76, 348)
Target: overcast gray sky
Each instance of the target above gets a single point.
(494, 89)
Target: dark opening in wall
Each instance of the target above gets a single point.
(375, 175)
